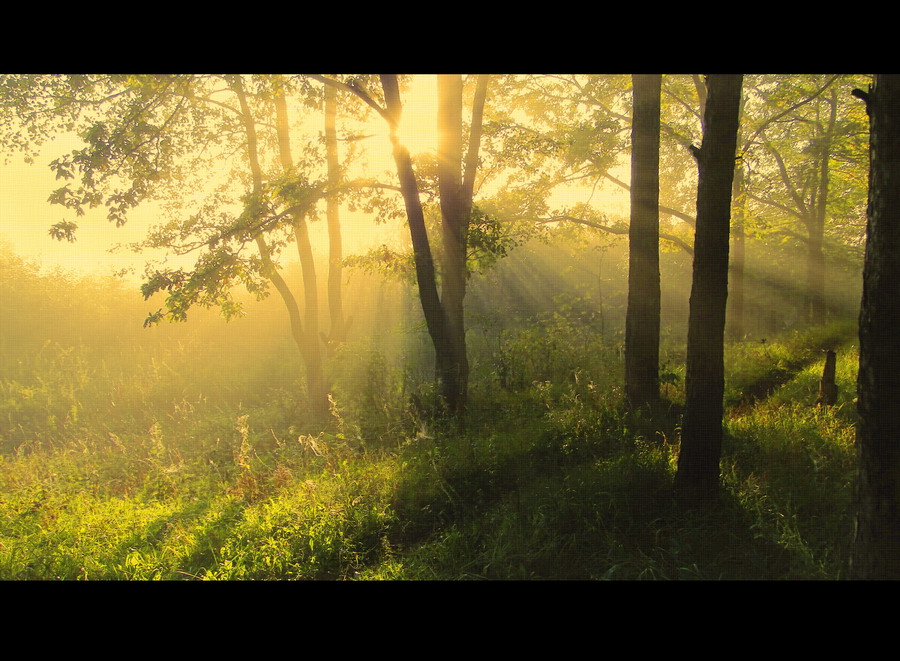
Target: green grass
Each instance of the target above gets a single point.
(127, 469)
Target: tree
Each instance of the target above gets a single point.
(444, 312)
(152, 137)
(876, 544)
(338, 331)
(443, 315)
(642, 319)
(697, 478)
(299, 194)
(802, 152)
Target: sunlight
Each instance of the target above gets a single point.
(418, 126)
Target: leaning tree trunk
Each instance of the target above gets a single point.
(876, 545)
(697, 478)
(443, 317)
(642, 318)
(435, 316)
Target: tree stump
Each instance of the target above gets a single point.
(827, 387)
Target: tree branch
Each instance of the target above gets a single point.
(356, 88)
(681, 243)
(669, 211)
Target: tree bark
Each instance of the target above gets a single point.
(642, 318)
(697, 478)
(876, 545)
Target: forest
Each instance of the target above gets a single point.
(453, 327)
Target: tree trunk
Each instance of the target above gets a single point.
(815, 277)
(815, 265)
(435, 316)
(443, 317)
(338, 331)
(828, 391)
(317, 387)
(697, 478)
(455, 223)
(316, 383)
(876, 545)
(738, 258)
(642, 318)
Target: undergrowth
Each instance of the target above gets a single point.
(125, 468)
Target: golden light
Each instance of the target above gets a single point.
(418, 125)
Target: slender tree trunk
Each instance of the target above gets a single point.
(700, 87)
(815, 277)
(815, 266)
(738, 258)
(318, 386)
(642, 318)
(697, 478)
(307, 338)
(338, 331)
(876, 545)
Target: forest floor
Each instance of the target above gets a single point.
(547, 480)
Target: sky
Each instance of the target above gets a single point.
(26, 217)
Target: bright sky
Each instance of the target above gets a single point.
(26, 217)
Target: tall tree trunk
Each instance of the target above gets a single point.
(455, 223)
(435, 316)
(876, 545)
(642, 318)
(307, 338)
(697, 478)
(317, 385)
(738, 257)
(443, 317)
(815, 277)
(338, 332)
(815, 265)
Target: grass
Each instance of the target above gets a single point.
(129, 470)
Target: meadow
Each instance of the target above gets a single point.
(183, 452)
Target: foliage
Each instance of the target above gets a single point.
(787, 135)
